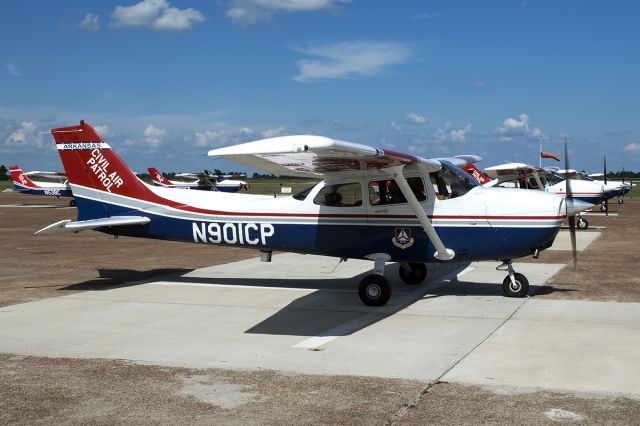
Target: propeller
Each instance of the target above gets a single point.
(606, 202)
(569, 199)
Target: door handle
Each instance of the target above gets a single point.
(381, 211)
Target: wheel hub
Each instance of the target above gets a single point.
(373, 291)
(515, 286)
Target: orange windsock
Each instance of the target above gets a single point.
(548, 155)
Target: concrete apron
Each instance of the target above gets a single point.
(301, 314)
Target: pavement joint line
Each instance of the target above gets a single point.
(340, 330)
(213, 285)
(362, 321)
(402, 411)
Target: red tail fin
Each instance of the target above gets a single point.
(476, 173)
(90, 162)
(20, 179)
(157, 177)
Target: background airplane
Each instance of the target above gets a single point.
(432, 211)
(24, 184)
(205, 181)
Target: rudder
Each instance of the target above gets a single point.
(94, 170)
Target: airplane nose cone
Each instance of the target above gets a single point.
(576, 206)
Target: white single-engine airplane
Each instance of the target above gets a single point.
(373, 204)
(206, 181)
(23, 183)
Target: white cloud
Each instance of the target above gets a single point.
(395, 126)
(102, 130)
(153, 135)
(272, 133)
(447, 134)
(13, 70)
(414, 118)
(209, 137)
(632, 147)
(514, 128)
(156, 14)
(347, 59)
(250, 12)
(90, 22)
(476, 85)
(26, 134)
(425, 16)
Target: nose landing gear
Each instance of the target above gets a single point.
(515, 284)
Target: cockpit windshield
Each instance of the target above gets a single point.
(451, 181)
(554, 178)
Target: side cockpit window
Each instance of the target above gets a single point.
(387, 191)
(340, 195)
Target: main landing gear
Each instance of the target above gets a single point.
(72, 203)
(515, 284)
(375, 289)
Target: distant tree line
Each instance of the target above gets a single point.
(623, 175)
(3, 173)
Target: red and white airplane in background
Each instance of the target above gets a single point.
(23, 183)
(206, 181)
(372, 204)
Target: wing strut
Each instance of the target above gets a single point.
(442, 253)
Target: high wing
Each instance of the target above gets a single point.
(45, 175)
(511, 171)
(315, 156)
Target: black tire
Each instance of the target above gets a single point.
(72, 203)
(374, 290)
(520, 290)
(416, 276)
(620, 200)
(603, 208)
(582, 224)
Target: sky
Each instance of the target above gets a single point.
(164, 81)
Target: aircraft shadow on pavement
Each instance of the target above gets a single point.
(119, 278)
(333, 309)
(334, 313)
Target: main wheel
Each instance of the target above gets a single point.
(582, 224)
(620, 200)
(520, 288)
(417, 274)
(603, 208)
(72, 203)
(374, 290)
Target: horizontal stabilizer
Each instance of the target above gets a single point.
(69, 225)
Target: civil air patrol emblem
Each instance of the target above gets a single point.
(402, 238)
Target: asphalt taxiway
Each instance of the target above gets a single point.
(289, 341)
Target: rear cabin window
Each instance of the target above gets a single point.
(387, 191)
(340, 195)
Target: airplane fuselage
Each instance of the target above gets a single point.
(478, 225)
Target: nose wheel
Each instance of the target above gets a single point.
(582, 223)
(514, 284)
